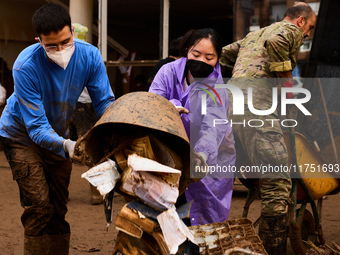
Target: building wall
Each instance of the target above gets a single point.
(16, 31)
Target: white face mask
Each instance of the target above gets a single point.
(61, 58)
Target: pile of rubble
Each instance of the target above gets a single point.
(218, 238)
(325, 249)
(154, 186)
(139, 148)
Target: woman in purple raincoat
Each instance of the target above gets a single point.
(189, 83)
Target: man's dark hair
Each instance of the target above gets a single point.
(193, 37)
(50, 18)
(299, 9)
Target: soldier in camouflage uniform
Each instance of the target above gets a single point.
(270, 52)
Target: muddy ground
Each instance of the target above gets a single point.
(88, 225)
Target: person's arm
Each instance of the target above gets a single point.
(286, 75)
(159, 84)
(99, 86)
(210, 137)
(287, 81)
(33, 113)
(229, 55)
(279, 48)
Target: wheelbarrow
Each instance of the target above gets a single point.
(312, 178)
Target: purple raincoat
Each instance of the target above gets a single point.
(212, 195)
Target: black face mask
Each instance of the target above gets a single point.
(199, 69)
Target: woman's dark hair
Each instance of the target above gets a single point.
(192, 37)
(51, 18)
(174, 47)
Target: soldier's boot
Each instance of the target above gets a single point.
(96, 198)
(273, 233)
(36, 245)
(59, 244)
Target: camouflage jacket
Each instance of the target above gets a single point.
(264, 52)
(259, 56)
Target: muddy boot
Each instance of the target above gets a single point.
(96, 198)
(59, 244)
(273, 233)
(35, 245)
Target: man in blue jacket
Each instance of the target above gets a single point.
(48, 79)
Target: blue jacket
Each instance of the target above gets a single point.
(45, 95)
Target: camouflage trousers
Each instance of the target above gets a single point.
(264, 146)
(43, 179)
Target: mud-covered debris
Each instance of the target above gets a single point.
(103, 176)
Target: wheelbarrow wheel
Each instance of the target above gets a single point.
(304, 230)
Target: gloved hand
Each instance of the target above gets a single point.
(181, 110)
(288, 84)
(202, 154)
(69, 147)
(199, 160)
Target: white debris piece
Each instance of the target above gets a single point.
(153, 191)
(103, 176)
(138, 163)
(174, 230)
(152, 182)
(2, 95)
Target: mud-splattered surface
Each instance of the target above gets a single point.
(88, 225)
(330, 216)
